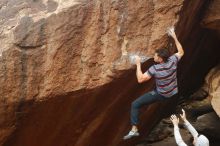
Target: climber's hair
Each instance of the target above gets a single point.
(164, 53)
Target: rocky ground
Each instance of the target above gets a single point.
(201, 116)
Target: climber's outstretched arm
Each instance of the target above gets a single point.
(140, 76)
(180, 50)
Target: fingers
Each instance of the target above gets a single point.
(173, 117)
(171, 31)
(137, 59)
(183, 111)
(136, 56)
(181, 115)
(168, 32)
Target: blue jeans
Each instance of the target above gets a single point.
(145, 99)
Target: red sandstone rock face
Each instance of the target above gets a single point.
(80, 46)
(64, 71)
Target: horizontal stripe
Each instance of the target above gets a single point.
(164, 68)
(169, 90)
(175, 91)
(163, 85)
(167, 76)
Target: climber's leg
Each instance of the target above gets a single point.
(145, 99)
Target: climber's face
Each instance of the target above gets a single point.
(157, 58)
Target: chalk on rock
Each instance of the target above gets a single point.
(132, 58)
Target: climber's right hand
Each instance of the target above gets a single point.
(171, 32)
(137, 60)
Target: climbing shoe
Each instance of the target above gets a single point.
(131, 134)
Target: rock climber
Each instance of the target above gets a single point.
(164, 72)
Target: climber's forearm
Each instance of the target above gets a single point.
(179, 46)
(139, 73)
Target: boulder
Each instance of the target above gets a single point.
(209, 125)
(212, 87)
(65, 75)
(212, 16)
(64, 69)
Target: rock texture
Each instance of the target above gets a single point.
(212, 87)
(212, 16)
(212, 81)
(209, 124)
(64, 71)
(58, 62)
(205, 121)
(60, 51)
(201, 47)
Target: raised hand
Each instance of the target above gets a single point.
(137, 59)
(171, 32)
(174, 120)
(183, 115)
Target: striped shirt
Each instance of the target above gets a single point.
(165, 76)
